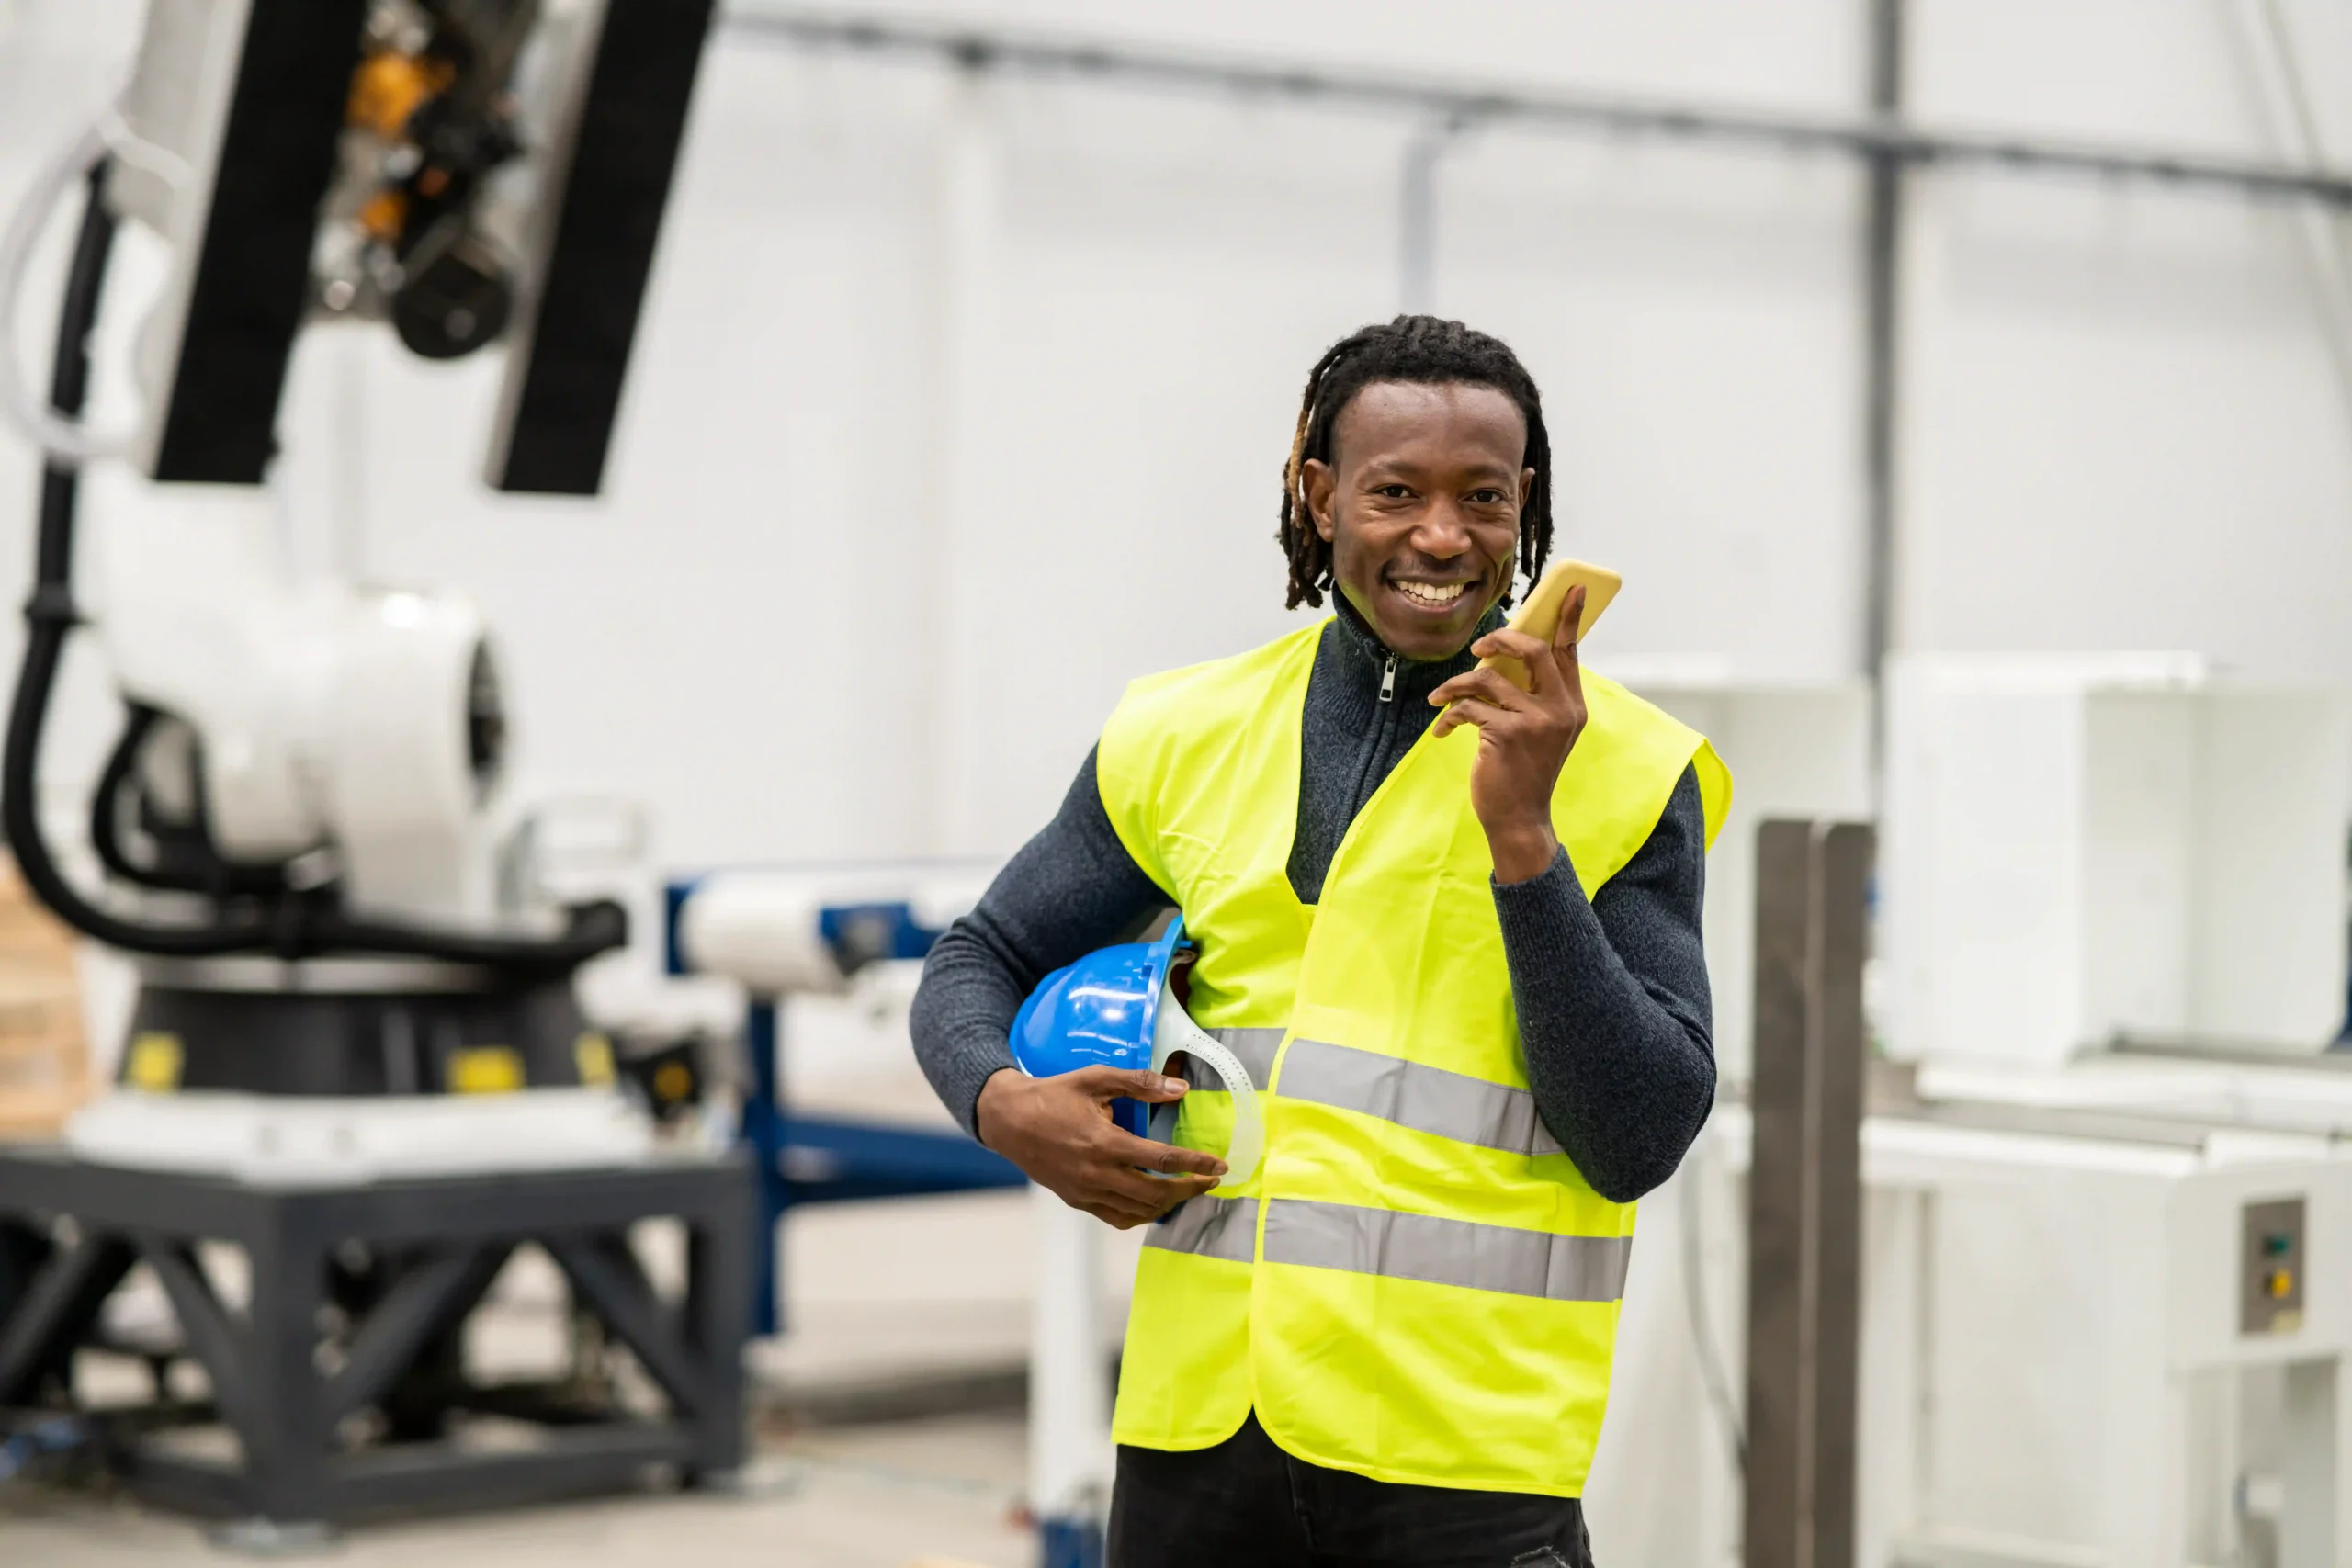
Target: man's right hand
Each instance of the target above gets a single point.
(1059, 1132)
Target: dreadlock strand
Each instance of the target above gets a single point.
(1309, 553)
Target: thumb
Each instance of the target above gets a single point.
(1131, 1083)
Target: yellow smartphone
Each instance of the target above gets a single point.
(1539, 614)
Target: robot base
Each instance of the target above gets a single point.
(340, 1381)
(329, 1026)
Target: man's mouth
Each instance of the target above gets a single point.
(1430, 595)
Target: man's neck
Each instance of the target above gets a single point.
(1368, 657)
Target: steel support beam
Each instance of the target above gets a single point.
(1882, 340)
(1880, 136)
(1805, 1193)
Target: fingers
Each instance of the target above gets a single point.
(1534, 655)
(1156, 1192)
(1118, 1216)
(1571, 626)
(1175, 1159)
(1128, 1083)
(1117, 1195)
(1481, 697)
(1468, 711)
(1127, 1158)
(1563, 643)
(1489, 686)
(1124, 1198)
(1504, 642)
(1504, 639)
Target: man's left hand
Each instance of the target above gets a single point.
(1524, 738)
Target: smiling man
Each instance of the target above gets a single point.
(1453, 926)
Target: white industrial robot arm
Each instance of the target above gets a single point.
(317, 763)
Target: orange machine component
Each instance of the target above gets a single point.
(384, 216)
(388, 86)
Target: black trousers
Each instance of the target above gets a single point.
(1246, 1503)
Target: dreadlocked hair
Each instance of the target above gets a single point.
(1421, 349)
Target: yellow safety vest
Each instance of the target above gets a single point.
(1416, 1285)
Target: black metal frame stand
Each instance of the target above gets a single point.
(289, 1391)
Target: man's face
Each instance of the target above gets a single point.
(1421, 503)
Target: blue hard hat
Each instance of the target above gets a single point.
(1099, 1011)
(1115, 1008)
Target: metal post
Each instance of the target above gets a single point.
(1805, 1193)
(762, 1134)
(1882, 250)
(1417, 215)
(967, 291)
(2308, 1532)
(1069, 1389)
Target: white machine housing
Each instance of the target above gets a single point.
(2053, 1367)
(360, 724)
(2088, 847)
(765, 929)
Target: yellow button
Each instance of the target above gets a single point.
(485, 1069)
(593, 1052)
(2280, 1284)
(155, 1062)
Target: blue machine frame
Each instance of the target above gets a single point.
(826, 1159)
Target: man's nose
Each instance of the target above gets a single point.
(1442, 531)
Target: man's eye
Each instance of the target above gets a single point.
(1488, 497)
(1394, 492)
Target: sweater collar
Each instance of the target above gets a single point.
(1366, 658)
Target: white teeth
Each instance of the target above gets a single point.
(1431, 592)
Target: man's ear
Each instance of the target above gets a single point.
(1321, 483)
(1528, 480)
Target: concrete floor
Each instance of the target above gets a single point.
(937, 1491)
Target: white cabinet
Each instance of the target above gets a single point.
(2082, 848)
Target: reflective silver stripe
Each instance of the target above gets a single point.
(1412, 1094)
(1447, 1252)
(1210, 1227)
(1255, 1047)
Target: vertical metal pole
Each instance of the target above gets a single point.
(761, 1136)
(1805, 1194)
(287, 1438)
(716, 1316)
(964, 515)
(1069, 1389)
(2308, 1532)
(1881, 249)
(1417, 215)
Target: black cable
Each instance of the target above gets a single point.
(295, 925)
(180, 868)
(106, 802)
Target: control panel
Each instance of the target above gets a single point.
(2274, 1259)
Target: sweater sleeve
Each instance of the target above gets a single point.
(1615, 1014)
(1070, 890)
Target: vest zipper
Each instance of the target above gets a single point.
(1388, 680)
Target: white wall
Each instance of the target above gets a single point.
(2124, 428)
(958, 405)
